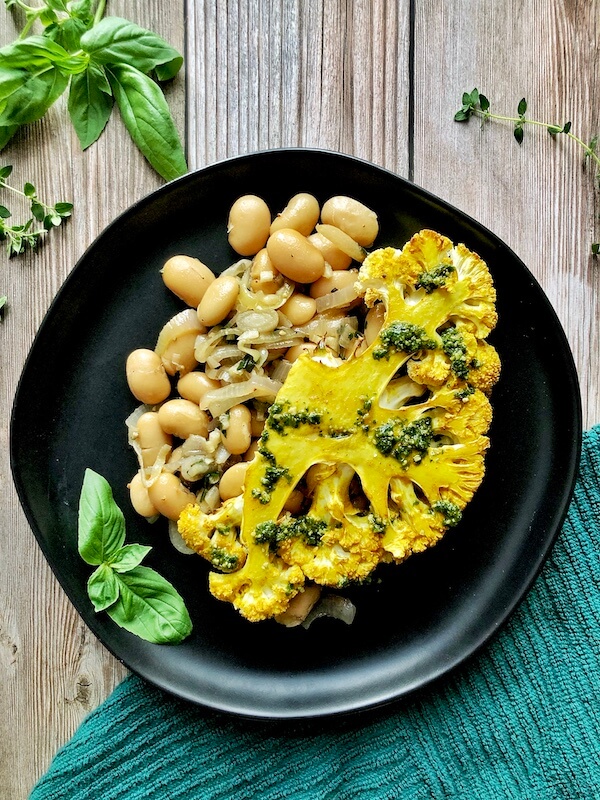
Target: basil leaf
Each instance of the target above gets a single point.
(128, 557)
(67, 32)
(147, 117)
(117, 41)
(101, 521)
(36, 52)
(26, 96)
(82, 9)
(150, 607)
(103, 587)
(90, 104)
(6, 134)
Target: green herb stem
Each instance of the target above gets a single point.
(99, 11)
(522, 120)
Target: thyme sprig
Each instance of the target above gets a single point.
(43, 217)
(476, 104)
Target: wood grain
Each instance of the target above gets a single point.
(53, 671)
(538, 197)
(334, 74)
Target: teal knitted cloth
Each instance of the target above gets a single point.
(519, 720)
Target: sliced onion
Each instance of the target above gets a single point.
(182, 323)
(218, 401)
(264, 321)
(259, 301)
(342, 297)
(239, 268)
(206, 343)
(177, 539)
(332, 605)
(224, 353)
(211, 500)
(281, 370)
(342, 241)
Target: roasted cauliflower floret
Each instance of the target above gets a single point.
(347, 547)
(262, 588)
(486, 371)
(387, 446)
(215, 536)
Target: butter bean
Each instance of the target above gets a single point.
(301, 214)
(232, 480)
(188, 278)
(299, 349)
(151, 437)
(178, 355)
(140, 500)
(195, 385)
(352, 217)
(218, 301)
(146, 377)
(248, 226)
(169, 496)
(294, 256)
(238, 435)
(335, 257)
(339, 280)
(182, 418)
(252, 450)
(263, 275)
(256, 424)
(299, 308)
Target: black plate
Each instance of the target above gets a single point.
(428, 614)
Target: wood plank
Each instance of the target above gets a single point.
(537, 197)
(325, 74)
(52, 669)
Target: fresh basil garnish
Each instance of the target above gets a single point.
(136, 598)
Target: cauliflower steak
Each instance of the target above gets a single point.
(387, 446)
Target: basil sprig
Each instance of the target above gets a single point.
(136, 598)
(102, 62)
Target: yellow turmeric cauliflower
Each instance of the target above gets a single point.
(388, 446)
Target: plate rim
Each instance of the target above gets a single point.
(500, 620)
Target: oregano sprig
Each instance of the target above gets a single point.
(19, 237)
(136, 598)
(476, 104)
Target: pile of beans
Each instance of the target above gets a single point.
(306, 249)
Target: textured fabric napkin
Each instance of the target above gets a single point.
(519, 720)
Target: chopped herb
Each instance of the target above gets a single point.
(246, 364)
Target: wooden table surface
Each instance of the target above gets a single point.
(373, 78)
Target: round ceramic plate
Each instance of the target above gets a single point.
(425, 616)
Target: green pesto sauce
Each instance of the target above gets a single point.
(307, 528)
(404, 442)
(221, 559)
(280, 417)
(434, 278)
(450, 512)
(455, 348)
(465, 392)
(402, 336)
